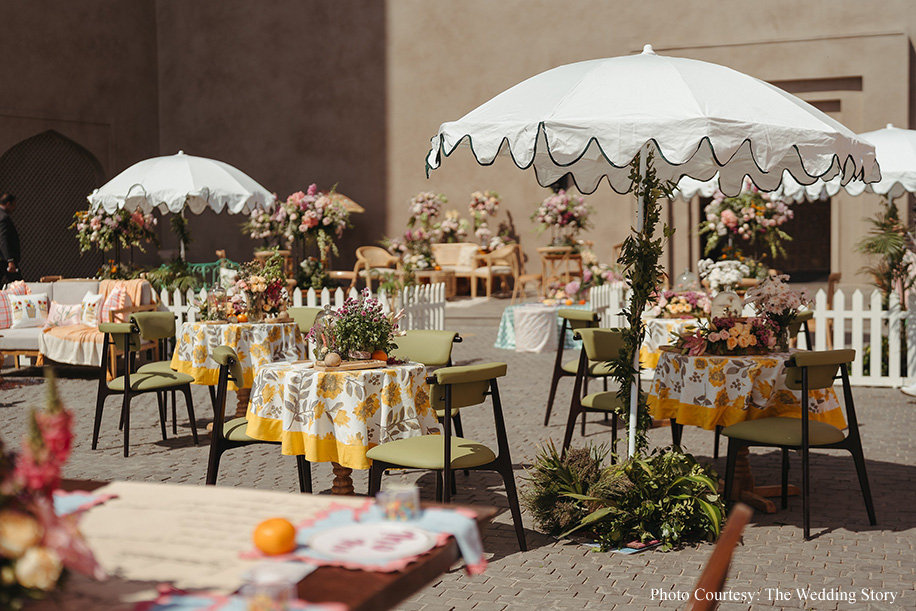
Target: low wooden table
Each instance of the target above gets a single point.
(365, 590)
(433, 276)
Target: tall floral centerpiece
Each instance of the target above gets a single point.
(564, 215)
(259, 291)
(358, 330)
(37, 545)
(109, 232)
(725, 275)
(414, 247)
(774, 300)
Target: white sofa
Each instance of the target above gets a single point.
(34, 342)
(458, 257)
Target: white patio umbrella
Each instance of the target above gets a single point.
(174, 183)
(592, 118)
(895, 149)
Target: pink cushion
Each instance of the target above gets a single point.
(116, 300)
(63, 314)
(6, 311)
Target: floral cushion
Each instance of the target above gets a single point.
(116, 300)
(91, 309)
(6, 314)
(29, 310)
(63, 314)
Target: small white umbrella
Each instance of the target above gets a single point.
(895, 149)
(174, 183)
(592, 118)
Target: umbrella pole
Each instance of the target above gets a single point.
(640, 225)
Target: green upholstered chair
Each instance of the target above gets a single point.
(303, 316)
(575, 320)
(433, 349)
(158, 328)
(800, 323)
(805, 371)
(126, 337)
(598, 345)
(455, 387)
(232, 434)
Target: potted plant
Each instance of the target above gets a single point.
(358, 330)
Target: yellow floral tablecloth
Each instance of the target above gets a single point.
(658, 334)
(338, 416)
(710, 391)
(256, 344)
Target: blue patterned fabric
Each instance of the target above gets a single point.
(505, 335)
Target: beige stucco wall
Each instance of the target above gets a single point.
(444, 59)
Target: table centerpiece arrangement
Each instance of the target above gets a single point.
(564, 215)
(774, 300)
(681, 304)
(37, 546)
(729, 336)
(358, 331)
(258, 292)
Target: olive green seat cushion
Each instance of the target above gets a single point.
(784, 432)
(234, 430)
(157, 367)
(426, 452)
(440, 413)
(595, 368)
(142, 382)
(605, 401)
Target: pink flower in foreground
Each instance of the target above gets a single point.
(56, 430)
(63, 537)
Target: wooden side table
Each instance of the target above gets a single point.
(557, 263)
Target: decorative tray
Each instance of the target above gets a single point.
(352, 365)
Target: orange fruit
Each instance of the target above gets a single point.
(581, 302)
(275, 536)
(380, 355)
(243, 317)
(569, 302)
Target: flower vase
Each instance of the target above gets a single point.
(782, 340)
(256, 308)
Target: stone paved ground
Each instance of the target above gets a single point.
(846, 557)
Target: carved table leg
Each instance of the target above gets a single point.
(755, 496)
(343, 483)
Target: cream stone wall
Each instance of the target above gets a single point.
(852, 59)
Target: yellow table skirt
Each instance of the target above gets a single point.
(315, 449)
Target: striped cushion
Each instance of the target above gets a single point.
(117, 299)
(6, 310)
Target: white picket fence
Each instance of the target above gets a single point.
(857, 322)
(423, 305)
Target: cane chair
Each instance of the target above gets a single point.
(524, 279)
(232, 434)
(372, 261)
(126, 337)
(455, 387)
(598, 345)
(501, 263)
(712, 579)
(805, 371)
(574, 320)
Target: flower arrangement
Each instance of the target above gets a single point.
(36, 545)
(484, 204)
(681, 304)
(451, 229)
(723, 275)
(425, 207)
(315, 215)
(595, 273)
(564, 215)
(259, 290)
(358, 330)
(752, 217)
(99, 229)
(571, 293)
(414, 248)
(730, 336)
(776, 301)
(265, 226)
(313, 275)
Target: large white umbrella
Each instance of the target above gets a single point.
(895, 149)
(175, 182)
(591, 119)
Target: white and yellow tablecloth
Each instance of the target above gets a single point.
(339, 416)
(658, 334)
(256, 344)
(710, 391)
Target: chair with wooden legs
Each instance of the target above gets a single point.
(232, 434)
(805, 371)
(524, 279)
(501, 263)
(372, 262)
(573, 319)
(455, 387)
(126, 337)
(598, 345)
(158, 328)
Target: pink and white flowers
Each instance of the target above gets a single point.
(687, 304)
(564, 215)
(775, 300)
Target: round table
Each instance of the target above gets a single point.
(505, 334)
(337, 416)
(255, 343)
(711, 391)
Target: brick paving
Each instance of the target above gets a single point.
(847, 557)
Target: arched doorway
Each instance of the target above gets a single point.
(51, 176)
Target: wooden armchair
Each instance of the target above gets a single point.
(501, 263)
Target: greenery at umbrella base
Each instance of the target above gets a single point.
(639, 257)
(666, 496)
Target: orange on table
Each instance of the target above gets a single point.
(243, 317)
(275, 536)
(569, 302)
(581, 302)
(380, 355)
